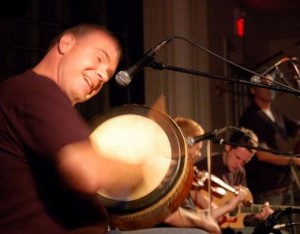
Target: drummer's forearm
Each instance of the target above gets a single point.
(86, 171)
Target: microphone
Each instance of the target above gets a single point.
(255, 79)
(285, 59)
(206, 136)
(277, 73)
(123, 78)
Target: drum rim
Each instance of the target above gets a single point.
(128, 207)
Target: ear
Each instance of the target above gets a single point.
(65, 43)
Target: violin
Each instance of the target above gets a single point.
(221, 192)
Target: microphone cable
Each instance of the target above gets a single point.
(234, 64)
(271, 225)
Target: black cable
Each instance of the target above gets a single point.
(271, 225)
(234, 64)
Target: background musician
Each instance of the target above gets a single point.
(193, 213)
(188, 215)
(273, 130)
(229, 166)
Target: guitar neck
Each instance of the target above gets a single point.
(256, 208)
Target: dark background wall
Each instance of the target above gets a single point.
(28, 26)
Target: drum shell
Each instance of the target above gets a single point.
(152, 208)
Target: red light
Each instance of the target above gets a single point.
(240, 26)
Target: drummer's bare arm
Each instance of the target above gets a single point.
(186, 218)
(86, 171)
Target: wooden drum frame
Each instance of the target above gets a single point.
(129, 130)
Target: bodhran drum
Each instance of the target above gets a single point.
(136, 133)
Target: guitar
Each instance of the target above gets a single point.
(235, 219)
(222, 193)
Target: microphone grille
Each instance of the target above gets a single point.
(123, 78)
(255, 79)
(190, 141)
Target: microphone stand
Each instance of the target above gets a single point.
(161, 66)
(294, 171)
(259, 148)
(209, 177)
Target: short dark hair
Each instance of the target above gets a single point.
(244, 136)
(83, 29)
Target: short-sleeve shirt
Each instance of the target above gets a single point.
(275, 135)
(36, 120)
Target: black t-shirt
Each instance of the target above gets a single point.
(263, 176)
(36, 120)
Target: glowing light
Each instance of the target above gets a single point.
(240, 27)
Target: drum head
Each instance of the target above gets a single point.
(134, 133)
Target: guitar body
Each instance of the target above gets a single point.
(221, 193)
(234, 219)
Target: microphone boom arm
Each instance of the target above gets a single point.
(259, 148)
(161, 66)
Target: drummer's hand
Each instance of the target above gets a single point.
(127, 181)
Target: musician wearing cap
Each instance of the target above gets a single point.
(194, 212)
(229, 166)
(269, 175)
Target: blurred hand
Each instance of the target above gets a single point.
(210, 225)
(235, 201)
(202, 220)
(265, 212)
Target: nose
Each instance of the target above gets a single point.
(99, 81)
(102, 77)
(104, 72)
